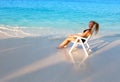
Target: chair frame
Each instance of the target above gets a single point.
(85, 44)
(76, 43)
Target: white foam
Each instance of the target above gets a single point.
(21, 32)
(7, 32)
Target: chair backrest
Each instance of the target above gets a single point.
(93, 30)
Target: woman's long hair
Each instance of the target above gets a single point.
(96, 26)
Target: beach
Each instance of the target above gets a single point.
(30, 32)
(37, 59)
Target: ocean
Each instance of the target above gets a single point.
(57, 18)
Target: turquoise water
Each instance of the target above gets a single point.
(65, 15)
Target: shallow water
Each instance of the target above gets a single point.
(58, 17)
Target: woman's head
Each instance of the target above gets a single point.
(94, 24)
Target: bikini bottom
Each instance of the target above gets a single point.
(83, 40)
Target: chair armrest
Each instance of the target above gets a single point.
(79, 37)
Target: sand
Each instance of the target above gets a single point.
(36, 59)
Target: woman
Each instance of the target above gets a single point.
(84, 34)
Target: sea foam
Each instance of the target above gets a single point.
(21, 32)
(7, 32)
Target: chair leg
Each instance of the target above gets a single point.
(88, 47)
(84, 49)
(74, 45)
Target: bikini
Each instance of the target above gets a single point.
(83, 40)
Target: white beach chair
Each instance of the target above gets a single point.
(84, 44)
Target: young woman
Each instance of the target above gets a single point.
(84, 34)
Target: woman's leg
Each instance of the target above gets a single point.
(66, 41)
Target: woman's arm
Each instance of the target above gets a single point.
(84, 34)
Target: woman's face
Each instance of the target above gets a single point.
(91, 25)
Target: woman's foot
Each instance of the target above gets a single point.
(59, 47)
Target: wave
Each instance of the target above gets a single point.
(21, 32)
(7, 32)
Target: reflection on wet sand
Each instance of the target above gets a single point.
(77, 55)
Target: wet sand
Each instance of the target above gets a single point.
(37, 60)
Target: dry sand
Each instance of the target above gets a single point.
(37, 60)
